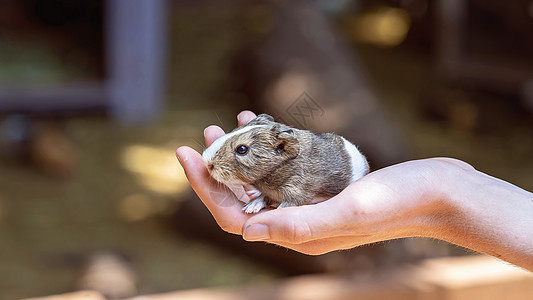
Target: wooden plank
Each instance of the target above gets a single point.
(450, 278)
(39, 99)
(85, 295)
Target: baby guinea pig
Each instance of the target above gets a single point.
(285, 166)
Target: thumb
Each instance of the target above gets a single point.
(296, 225)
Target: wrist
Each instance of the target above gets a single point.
(490, 216)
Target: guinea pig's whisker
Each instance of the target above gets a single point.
(199, 143)
(224, 188)
(220, 186)
(220, 120)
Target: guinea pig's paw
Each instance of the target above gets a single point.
(254, 206)
(253, 194)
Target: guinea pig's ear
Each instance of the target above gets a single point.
(288, 143)
(262, 119)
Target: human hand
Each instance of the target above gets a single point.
(398, 201)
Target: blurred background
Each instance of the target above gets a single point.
(95, 96)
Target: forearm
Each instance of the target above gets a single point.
(491, 216)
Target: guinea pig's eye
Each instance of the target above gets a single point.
(241, 150)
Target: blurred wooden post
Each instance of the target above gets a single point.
(450, 15)
(309, 78)
(136, 42)
(457, 66)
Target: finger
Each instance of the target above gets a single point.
(196, 172)
(220, 201)
(245, 116)
(297, 225)
(212, 133)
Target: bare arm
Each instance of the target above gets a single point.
(440, 198)
(490, 216)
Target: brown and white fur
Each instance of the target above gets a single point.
(286, 166)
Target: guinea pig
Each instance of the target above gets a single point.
(285, 166)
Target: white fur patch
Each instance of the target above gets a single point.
(210, 152)
(359, 163)
(253, 194)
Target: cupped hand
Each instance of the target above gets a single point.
(398, 201)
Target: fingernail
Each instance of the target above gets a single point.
(256, 232)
